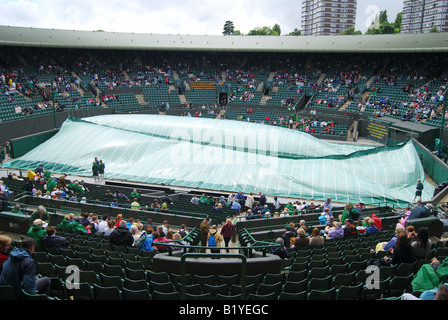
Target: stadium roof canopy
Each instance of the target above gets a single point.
(387, 43)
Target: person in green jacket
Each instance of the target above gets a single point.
(69, 224)
(40, 213)
(101, 168)
(16, 209)
(95, 170)
(431, 275)
(135, 194)
(37, 232)
(51, 184)
(349, 213)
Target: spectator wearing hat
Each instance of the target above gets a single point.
(349, 229)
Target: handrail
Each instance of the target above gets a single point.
(212, 255)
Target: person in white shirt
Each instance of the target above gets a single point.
(277, 204)
(103, 224)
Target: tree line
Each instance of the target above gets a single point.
(380, 25)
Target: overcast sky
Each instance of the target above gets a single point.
(197, 17)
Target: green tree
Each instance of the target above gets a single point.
(295, 32)
(228, 28)
(236, 33)
(264, 31)
(383, 17)
(381, 25)
(434, 29)
(398, 20)
(276, 28)
(351, 31)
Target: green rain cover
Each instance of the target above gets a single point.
(229, 156)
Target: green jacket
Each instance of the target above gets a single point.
(37, 233)
(95, 168)
(76, 187)
(135, 195)
(45, 217)
(428, 277)
(72, 226)
(348, 214)
(51, 184)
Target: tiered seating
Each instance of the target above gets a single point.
(202, 85)
(122, 99)
(283, 95)
(202, 97)
(156, 95)
(258, 115)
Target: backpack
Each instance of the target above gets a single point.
(141, 240)
(211, 241)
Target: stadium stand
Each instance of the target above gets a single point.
(322, 96)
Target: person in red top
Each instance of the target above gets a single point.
(5, 242)
(158, 238)
(118, 219)
(227, 232)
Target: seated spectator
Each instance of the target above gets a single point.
(316, 238)
(16, 209)
(289, 233)
(71, 225)
(349, 228)
(431, 275)
(53, 241)
(37, 232)
(236, 206)
(386, 246)
(301, 241)
(121, 236)
(40, 213)
(20, 271)
(336, 232)
(109, 229)
(194, 200)
(118, 219)
(135, 205)
(360, 228)
(135, 194)
(159, 238)
(371, 229)
(422, 245)
(5, 243)
(281, 250)
(85, 220)
(401, 253)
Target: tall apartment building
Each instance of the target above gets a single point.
(327, 17)
(422, 15)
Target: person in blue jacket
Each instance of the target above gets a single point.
(20, 271)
